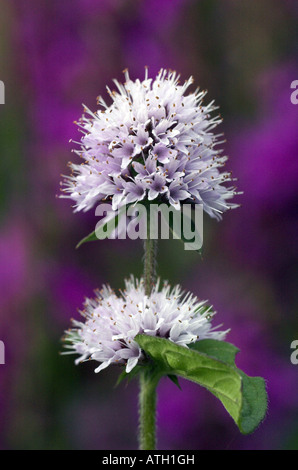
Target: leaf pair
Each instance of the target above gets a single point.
(211, 364)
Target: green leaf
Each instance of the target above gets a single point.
(254, 395)
(175, 380)
(106, 227)
(225, 352)
(210, 363)
(254, 402)
(90, 238)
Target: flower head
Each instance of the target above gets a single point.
(152, 142)
(112, 322)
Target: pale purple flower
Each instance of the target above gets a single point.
(112, 323)
(153, 142)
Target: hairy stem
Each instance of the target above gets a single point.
(148, 378)
(147, 410)
(150, 247)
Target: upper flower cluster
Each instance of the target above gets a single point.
(153, 141)
(112, 323)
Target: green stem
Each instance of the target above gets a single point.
(148, 378)
(147, 410)
(150, 247)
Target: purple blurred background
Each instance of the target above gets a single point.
(56, 55)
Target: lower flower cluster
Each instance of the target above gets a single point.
(113, 321)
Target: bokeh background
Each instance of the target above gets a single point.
(56, 55)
